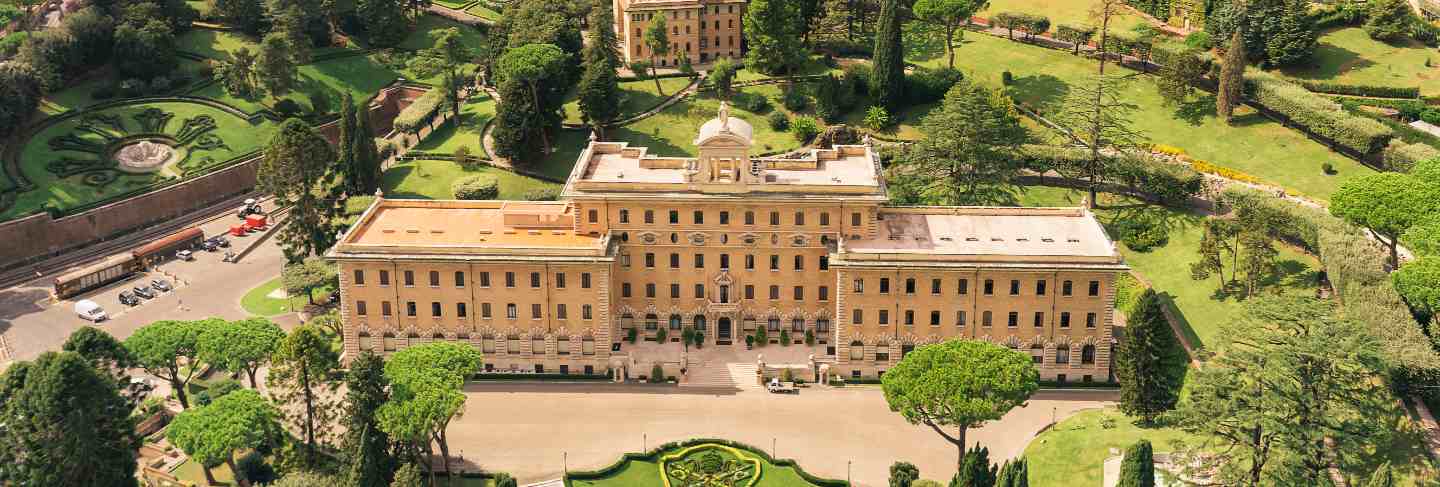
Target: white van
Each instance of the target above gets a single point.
(90, 310)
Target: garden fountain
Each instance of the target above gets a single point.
(143, 156)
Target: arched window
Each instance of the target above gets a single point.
(774, 324)
(700, 322)
(512, 344)
(674, 322)
(857, 350)
(797, 324)
(651, 321)
(882, 352)
(1037, 353)
(627, 321)
(1087, 354)
(1062, 355)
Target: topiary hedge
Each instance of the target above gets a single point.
(1400, 156)
(1374, 91)
(421, 112)
(1169, 184)
(476, 187)
(654, 456)
(1317, 113)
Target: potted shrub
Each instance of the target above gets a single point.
(749, 342)
(810, 338)
(785, 337)
(660, 335)
(657, 374)
(760, 338)
(631, 335)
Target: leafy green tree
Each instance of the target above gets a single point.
(275, 65)
(976, 470)
(657, 41)
(93, 32)
(948, 14)
(306, 276)
(1384, 476)
(246, 15)
(447, 56)
(1147, 388)
(1232, 78)
(534, 66)
(240, 346)
(887, 79)
(384, 21)
(307, 479)
(902, 474)
(144, 51)
(52, 57)
(1294, 388)
(1100, 122)
(169, 350)
(968, 154)
(599, 88)
(1216, 242)
(65, 423)
(1386, 203)
(1180, 71)
(959, 384)
(103, 351)
(408, 476)
(294, 166)
(425, 395)
(1390, 20)
(1276, 32)
(235, 421)
(1014, 474)
(722, 76)
(237, 73)
(1138, 468)
(555, 23)
(302, 380)
(1418, 281)
(367, 446)
(773, 31)
(20, 93)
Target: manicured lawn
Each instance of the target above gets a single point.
(639, 473)
(432, 180)
(636, 97)
(258, 302)
(361, 76)
(473, 115)
(82, 94)
(239, 136)
(672, 131)
(815, 65)
(214, 44)
(480, 10)
(1201, 311)
(1350, 56)
(1059, 12)
(1073, 452)
(191, 471)
(428, 27)
(1253, 144)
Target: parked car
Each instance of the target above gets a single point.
(144, 292)
(334, 297)
(90, 311)
(128, 298)
(210, 245)
(251, 207)
(221, 241)
(777, 387)
(161, 285)
(185, 255)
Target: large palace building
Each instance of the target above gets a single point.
(706, 30)
(728, 244)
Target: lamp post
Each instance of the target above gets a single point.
(644, 442)
(772, 448)
(565, 462)
(847, 473)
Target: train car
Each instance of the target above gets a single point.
(90, 277)
(165, 248)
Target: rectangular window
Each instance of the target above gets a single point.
(749, 262)
(1013, 319)
(460, 310)
(434, 278)
(484, 279)
(699, 217)
(699, 261)
(774, 292)
(989, 287)
(535, 311)
(934, 318)
(935, 286)
(624, 215)
(649, 260)
(824, 262)
(774, 262)
(884, 285)
(459, 278)
(749, 291)
(799, 293)
(410, 308)
(774, 218)
(1064, 319)
(384, 278)
(858, 287)
(485, 310)
(985, 318)
(535, 280)
(359, 278)
(724, 218)
(593, 216)
(435, 309)
(825, 219)
(674, 291)
(724, 261)
(963, 287)
(799, 262)
(384, 308)
(960, 318)
(699, 291)
(1067, 288)
(1039, 319)
(360, 308)
(857, 317)
(1014, 287)
(650, 290)
(1089, 320)
(855, 219)
(909, 317)
(624, 289)
(511, 311)
(409, 278)
(824, 294)
(509, 279)
(884, 317)
(585, 280)
(560, 312)
(1040, 288)
(909, 285)
(674, 261)
(649, 216)
(586, 312)
(749, 218)
(799, 218)
(1094, 288)
(674, 217)
(559, 280)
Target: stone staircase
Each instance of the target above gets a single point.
(722, 375)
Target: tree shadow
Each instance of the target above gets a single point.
(1183, 322)
(924, 41)
(1194, 112)
(1330, 61)
(1042, 90)
(1249, 120)
(392, 178)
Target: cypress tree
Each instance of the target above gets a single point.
(603, 42)
(887, 83)
(976, 470)
(1232, 77)
(1138, 468)
(366, 444)
(345, 167)
(599, 89)
(367, 155)
(1146, 390)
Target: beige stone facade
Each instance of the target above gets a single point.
(728, 244)
(706, 30)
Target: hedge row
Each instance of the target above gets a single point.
(421, 112)
(1400, 156)
(654, 456)
(1356, 267)
(1321, 115)
(1169, 184)
(1407, 92)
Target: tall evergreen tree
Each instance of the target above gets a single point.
(1232, 78)
(976, 470)
(295, 163)
(1146, 388)
(367, 155)
(365, 443)
(604, 44)
(657, 42)
(345, 168)
(599, 86)
(968, 156)
(301, 380)
(384, 21)
(65, 423)
(1014, 474)
(1390, 20)
(1099, 121)
(528, 72)
(1275, 32)
(887, 81)
(773, 30)
(1138, 468)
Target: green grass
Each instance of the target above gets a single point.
(473, 115)
(814, 65)
(191, 471)
(215, 44)
(257, 302)
(429, 25)
(361, 76)
(640, 473)
(1059, 12)
(635, 97)
(1253, 144)
(432, 180)
(1200, 310)
(1073, 452)
(480, 10)
(1350, 56)
(239, 135)
(80, 95)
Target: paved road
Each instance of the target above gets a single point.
(206, 287)
(527, 429)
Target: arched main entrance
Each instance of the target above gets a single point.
(722, 331)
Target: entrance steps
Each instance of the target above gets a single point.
(722, 375)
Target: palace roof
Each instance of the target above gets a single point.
(393, 226)
(985, 234)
